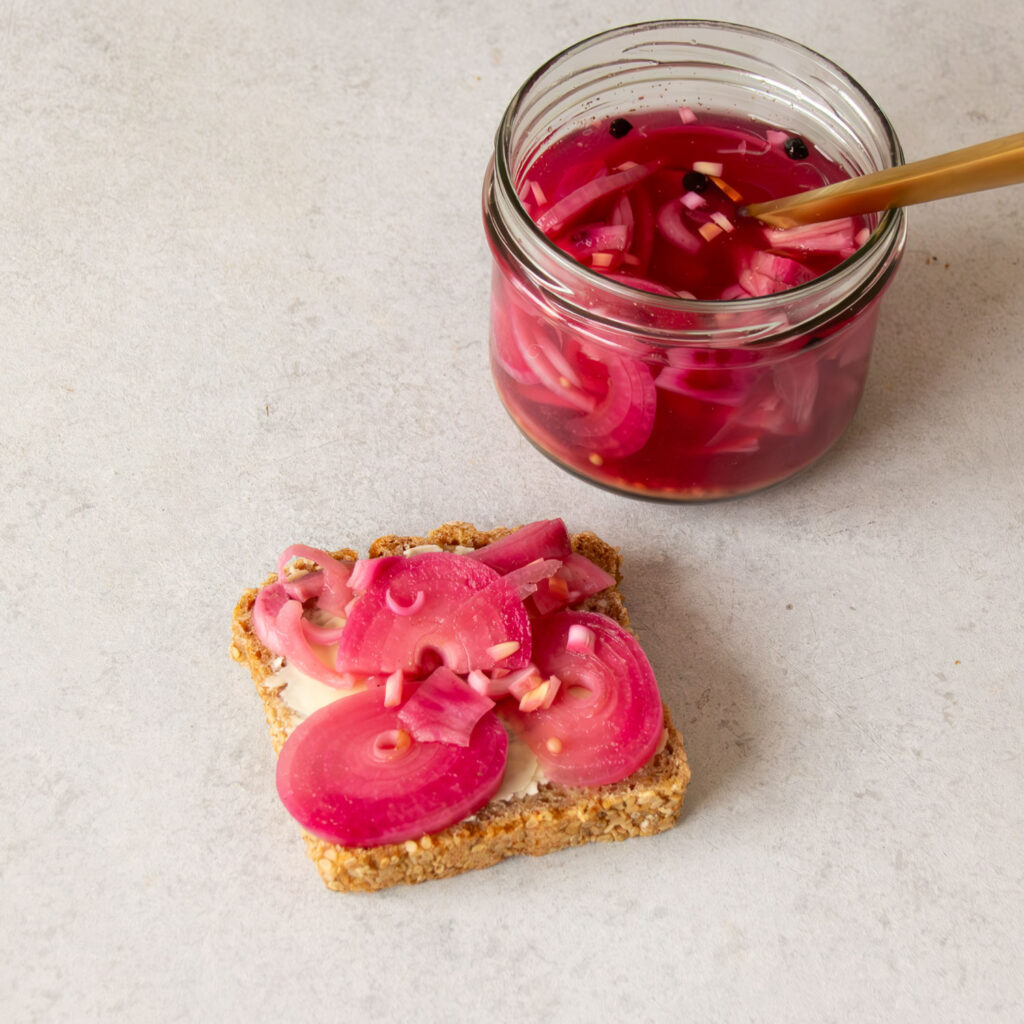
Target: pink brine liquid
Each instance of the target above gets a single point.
(653, 201)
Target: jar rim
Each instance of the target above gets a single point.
(885, 238)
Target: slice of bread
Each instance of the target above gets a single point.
(647, 802)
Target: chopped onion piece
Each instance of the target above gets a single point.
(709, 167)
(443, 709)
(722, 221)
(524, 580)
(493, 686)
(686, 115)
(744, 150)
(580, 638)
(540, 696)
(709, 231)
(499, 652)
(670, 224)
(393, 689)
(522, 680)
(554, 684)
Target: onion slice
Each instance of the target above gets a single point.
(577, 579)
(670, 224)
(607, 716)
(344, 778)
(466, 608)
(330, 586)
(838, 236)
(622, 421)
(278, 621)
(556, 217)
(543, 539)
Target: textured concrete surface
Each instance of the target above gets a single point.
(243, 302)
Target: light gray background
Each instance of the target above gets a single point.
(243, 302)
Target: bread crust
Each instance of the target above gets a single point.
(647, 802)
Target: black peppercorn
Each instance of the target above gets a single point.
(619, 127)
(796, 148)
(694, 181)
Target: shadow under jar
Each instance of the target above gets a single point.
(645, 334)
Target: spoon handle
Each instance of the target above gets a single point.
(974, 169)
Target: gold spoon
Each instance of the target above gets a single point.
(974, 169)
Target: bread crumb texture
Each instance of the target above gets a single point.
(647, 802)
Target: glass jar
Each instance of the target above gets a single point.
(649, 392)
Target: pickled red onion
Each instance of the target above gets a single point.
(334, 591)
(366, 570)
(837, 236)
(492, 686)
(393, 688)
(526, 578)
(577, 579)
(622, 421)
(443, 708)
(558, 216)
(580, 639)
(543, 539)
(467, 608)
(614, 727)
(286, 635)
(333, 778)
(670, 224)
(520, 683)
(322, 636)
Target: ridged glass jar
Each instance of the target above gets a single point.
(661, 396)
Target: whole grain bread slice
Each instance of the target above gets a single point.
(555, 817)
